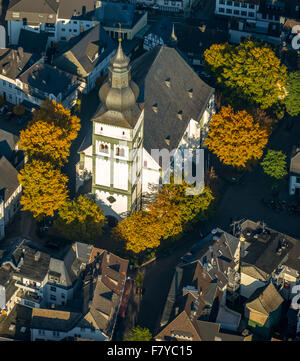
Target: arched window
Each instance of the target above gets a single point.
(120, 152)
(103, 148)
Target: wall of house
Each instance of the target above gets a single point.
(39, 334)
(249, 285)
(66, 27)
(2, 223)
(12, 205)
(294, 185)
(172, 6)
(236, 9)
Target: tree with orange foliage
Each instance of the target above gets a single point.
(235, 137)
(44, 188)
(139, 231)
(50, 133)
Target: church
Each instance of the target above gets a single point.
(157, 102)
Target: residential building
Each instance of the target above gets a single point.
(33, 42)
(42, 280)
(12, 64)
(169, 90)
(174, 6)
(57, 325)
(87, 56)
(295, 172)
(104, 286)
(10, 194)
(263, 310)
(42, 81)
(59, 19)
(264, 252)
(245, 9)
(196, 309)
(121, 19)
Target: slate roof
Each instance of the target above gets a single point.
(48, 79)
(262, 256)
(8, 142)
(35, 11)
(150, 71)
(33, 42)
(80, 48)
(30, 268)
(14, 62)
(49, 319)
(8, 178)
(267, 300)
(76, 9)
(295, 161)
(104, 285)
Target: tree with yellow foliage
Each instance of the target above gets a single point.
(50, 133)
(80, 220)
(176, 209)
(235, 137)
(139, 232)
(44, 188)
(250, 71)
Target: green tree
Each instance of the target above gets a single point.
(249, 71)
(80, 220)
(292, 100)
(274, 164)
(139, 334)
(44, 188)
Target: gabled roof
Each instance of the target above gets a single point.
(76, 9)
(167, 81)
(75, 55)
(35, 11)
(180, 328)
(267, 301)
(8, 178)
(49, 319)
(33, 42)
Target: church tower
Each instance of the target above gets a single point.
(118, 132)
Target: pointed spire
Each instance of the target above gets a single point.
(120, 61)
(173, 36)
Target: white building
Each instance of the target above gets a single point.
(171, 112)
(244, 9)
(10, 193)
(58, 18)
(174, 6)
(295, 172)
(87, 56)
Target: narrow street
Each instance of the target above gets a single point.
(238, 201)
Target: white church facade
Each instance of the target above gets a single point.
(165, 106)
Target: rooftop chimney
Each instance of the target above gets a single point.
(37, 255)
(179, 114)
(168, 82)
(190, 92)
